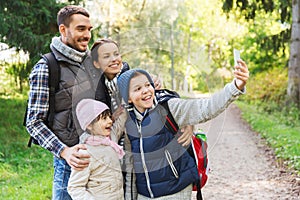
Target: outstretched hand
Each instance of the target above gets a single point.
(77, 160)
(241, 74)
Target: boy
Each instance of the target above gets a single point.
(159, 162)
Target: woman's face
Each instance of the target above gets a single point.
(141, 93)
(109, 60)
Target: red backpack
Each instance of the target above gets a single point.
(198, 148)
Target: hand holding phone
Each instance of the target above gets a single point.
(237, 56)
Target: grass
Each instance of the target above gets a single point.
(282, 137)
(26, 173)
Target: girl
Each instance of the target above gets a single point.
(102, 179)
(164, 169)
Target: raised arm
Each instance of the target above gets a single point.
(194, 111)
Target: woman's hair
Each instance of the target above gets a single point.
(97, 44)
(64, 15)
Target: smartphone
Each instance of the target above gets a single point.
(237, 56)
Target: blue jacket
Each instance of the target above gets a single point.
(162, 166)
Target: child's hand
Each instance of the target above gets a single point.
(187, 133)
(241, 74)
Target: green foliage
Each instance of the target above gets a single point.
(268, 86)
(28, 25)
(24, 171)
(269, 26)
(194, 37)
(19, 72)
(174, 34)
(264, 44)
(251, 8)
(275, 128)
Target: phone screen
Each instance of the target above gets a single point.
(237, 56)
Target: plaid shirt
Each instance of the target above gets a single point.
(38, 105)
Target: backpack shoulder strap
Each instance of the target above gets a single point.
(170, 122)
(53, 82)
(163, 96)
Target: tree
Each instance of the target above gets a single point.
(28, 25)
(172, 38)
(290, 36)
(140, 26)
(293, 89)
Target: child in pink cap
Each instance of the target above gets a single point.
(102, 179)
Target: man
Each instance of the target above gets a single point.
(76, 82)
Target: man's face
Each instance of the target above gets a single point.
(78, 34)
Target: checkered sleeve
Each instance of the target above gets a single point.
(38, 105)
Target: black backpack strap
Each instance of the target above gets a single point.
(170, 122)
(53, 83)
(199, 193)
(162, 97)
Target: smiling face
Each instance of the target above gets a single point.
(78, 33)
(141, 92)
(109, 59)
(101, 125)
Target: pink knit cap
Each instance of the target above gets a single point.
(87, 110)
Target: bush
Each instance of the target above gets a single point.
(269, 86)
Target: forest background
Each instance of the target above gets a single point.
(189, 44)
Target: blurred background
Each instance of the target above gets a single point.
(188, 43)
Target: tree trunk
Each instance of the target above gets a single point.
(293, 89)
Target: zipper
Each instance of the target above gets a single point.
(170, 161)
(143, 160)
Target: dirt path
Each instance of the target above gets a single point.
(241, 166)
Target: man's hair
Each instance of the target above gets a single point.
(97, 44)
(64, 15)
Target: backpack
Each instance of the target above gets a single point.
(53, 82)
(198, 147)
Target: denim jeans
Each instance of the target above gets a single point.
(61, 178)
